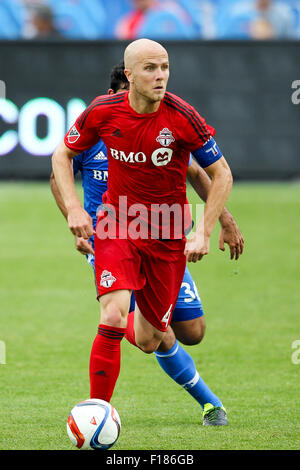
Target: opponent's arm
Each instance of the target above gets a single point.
(79, 221)
(221, 183)
(230, 232)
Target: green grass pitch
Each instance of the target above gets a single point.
(49, 317)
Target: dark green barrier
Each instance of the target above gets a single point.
(246, 90)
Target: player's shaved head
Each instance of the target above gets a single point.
(141, 49)
(147, 71)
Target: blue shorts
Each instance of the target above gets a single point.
(188, 305)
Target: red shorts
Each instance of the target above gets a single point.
(153, 269)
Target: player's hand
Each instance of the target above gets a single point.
(232, 235)
(83, 246)
(196, 247)
(80, 223)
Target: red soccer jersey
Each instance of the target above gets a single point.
(148, 154)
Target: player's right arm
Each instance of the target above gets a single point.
(82, 245)
(57, 196)
(79, 221)
(80, 137)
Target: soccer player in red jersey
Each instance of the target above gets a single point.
(149, 135)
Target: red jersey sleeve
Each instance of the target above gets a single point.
(196, 131)
(85, 131)
(191, 128)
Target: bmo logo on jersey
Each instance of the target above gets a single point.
(100, 175)
(132, 157)
(159, 157)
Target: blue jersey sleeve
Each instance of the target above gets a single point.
(208, 154)
(77, 163)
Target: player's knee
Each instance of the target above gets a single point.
(112, 318)
(112, 315)
(168, 341)
(197, 335)
(191, 332)
(148, 346)
(193, 338)
(114, 309)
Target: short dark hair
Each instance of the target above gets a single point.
(118, 78)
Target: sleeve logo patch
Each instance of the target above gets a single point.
(73, 135)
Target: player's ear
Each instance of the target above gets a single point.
(110, 91)
(128, 75)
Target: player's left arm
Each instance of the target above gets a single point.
(230, 232)
(221, 184)
(198, 138)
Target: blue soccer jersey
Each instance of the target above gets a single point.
(93, 167)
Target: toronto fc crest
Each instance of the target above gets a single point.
(165, 137)
(107, 279)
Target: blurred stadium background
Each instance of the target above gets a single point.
(169, 19)
(237, 62)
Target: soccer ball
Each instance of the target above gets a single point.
(93, 424)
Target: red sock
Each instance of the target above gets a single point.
(129, 333)
(105, 361)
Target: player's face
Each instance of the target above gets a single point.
(150, 76)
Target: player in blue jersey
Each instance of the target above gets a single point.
(188, 322)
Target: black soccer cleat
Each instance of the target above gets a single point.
(214, 415)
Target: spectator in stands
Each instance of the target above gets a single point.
(273, 21)
(43, 23)
(155, 19)
(12, 17)
(255, 19)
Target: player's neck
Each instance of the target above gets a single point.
(142, 105)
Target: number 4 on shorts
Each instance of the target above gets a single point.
(165, 319)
